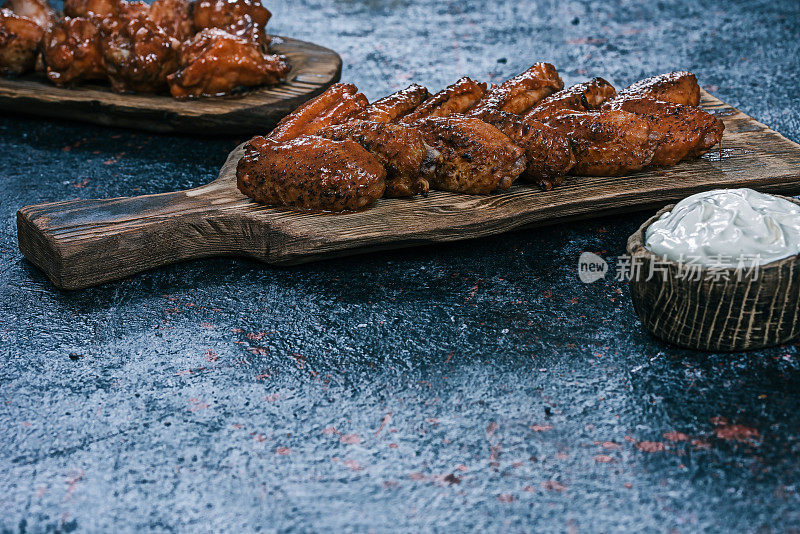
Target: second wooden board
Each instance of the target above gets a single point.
(87, 242)
(314, 69)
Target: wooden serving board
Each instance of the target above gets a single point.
(81, 243)
(314, 69)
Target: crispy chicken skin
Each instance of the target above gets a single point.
(39, 11)
(310, 173)
(584, 96)
(681, 131)
(215, 63)
(677, 87)
(72, 51)
(475, 157)
(396, 105)
(547, 151)
(19, 43)
(244, 18)
(338, 103)
(522, 92)
(606, 143)
(139, 56)
(456, 98)
(88, 8)
(399, 148)
(175, 16)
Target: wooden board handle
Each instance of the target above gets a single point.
(81, 243)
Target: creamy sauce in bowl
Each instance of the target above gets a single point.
(727, 228)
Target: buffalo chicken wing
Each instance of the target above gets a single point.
(608, 143)
(337, 104)
(400, 149)
(396, 105)
(91, 8)
(243, 18)
(19, 42)
(522, 92)
(132, 9)
(474, 156)
(680, 131)
(676, 87)
(174, 16)
(310, 173)
(39, 11)
(547, 151)
(73, 51)
(215, 63)
(584, 96)
(139, 56)
(456, 98)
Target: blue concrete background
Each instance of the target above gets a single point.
(468, 386)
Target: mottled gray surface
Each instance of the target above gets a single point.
(467, 386)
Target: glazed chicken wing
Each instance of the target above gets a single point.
(396, 105)
(39, 11)
(73, 52)
(681, 131)
(338, 103)
(584, 96)
(224, 13)
(131, 10)
(456, 98)
(676, 87)
(140, 56)
(475, 157)
(399, 148)
(547, 151)
(89, 8)
(310, 173)
(112, 15)
(522, 92)
(175, 16)
(215, 63)
(243, 18)
(605, 143)
(19, 43)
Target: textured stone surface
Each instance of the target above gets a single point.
(469, 386)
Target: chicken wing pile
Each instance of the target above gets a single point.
(338, 152)
(191, 48)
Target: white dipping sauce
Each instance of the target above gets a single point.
(720, 228)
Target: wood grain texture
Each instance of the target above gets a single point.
(314, 69)
(715, 309)
(87, 242)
